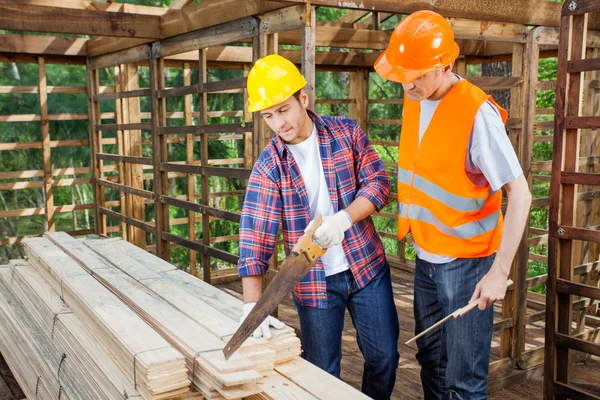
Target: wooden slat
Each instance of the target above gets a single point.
(122, 95)
(577, 289)
(203, 209)
(201, 248)
(124, 127)
(126, 189)
(43, 99)
(199, 129)
(128, 220)
(240, 173)
(34, 18)
(125, 159)
(582, 122)
(590, 64)
(560, 389)
(42, 45)
(577, 344)
(580, 178)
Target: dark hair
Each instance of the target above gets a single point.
(297, 96)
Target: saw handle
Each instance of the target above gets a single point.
(305, 244)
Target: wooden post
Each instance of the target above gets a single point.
(95, 147)
(308, 55)
(527, 102)
(161, 211)
(191, 179)
(249, 156)
(124, 199)
(46, 144)
(358, 91)
(133, 147)
(203, 108)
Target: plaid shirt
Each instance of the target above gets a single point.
(276, 192)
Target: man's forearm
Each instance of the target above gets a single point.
(517, 210)
(360, 209)
(252, 288)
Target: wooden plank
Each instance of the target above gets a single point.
(191, 179)
(284, 19)
(574, 343)
(124, 159)
(590, 64)
(537, 13)
(95, 138)
(126, 189)
(200, 129)
(202, 248)
(42, 45)
(240, 173)
(218, 35)
(43, 98)
(582, 122)
(96, 5)
(122, 95)
(124, 127)
(34, 18)
(205, 87)
(203, 108)
(130, 55)
(201, 208)
(128, 220)
(566, 391)
(210, 13)
(579, 289)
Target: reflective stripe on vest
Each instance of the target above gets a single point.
(434, 191)
(464, 231)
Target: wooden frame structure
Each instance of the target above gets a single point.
(221, 34)
(570, 121)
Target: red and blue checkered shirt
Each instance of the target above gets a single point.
(276, 194)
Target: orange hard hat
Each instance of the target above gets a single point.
(421, 43)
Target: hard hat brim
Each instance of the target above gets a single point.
(398, 74)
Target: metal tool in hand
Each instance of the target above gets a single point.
(303, 257)
(458, 313)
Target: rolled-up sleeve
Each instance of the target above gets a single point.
(258, 225)
(373, 182)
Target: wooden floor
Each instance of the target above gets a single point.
(408, 385)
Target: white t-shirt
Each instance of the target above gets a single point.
(491, 156)
(308, 159)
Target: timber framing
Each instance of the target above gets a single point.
(232, 34)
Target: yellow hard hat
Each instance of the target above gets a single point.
(272, 80)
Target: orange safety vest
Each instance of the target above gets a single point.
(446, 213)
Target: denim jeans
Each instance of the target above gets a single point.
(454, 358)
(375, 318)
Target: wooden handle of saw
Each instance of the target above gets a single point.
(306, 245)
(458, 313)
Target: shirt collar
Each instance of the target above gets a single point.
(320, 125)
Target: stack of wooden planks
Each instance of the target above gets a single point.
(104, 319)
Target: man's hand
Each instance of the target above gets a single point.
(491, 288)
(263, 329)
(331, 231)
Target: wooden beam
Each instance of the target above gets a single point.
(179, 4)
(96, 5)
(43, 97)
(210, 13)
(536, 12)
(42, 45)
(308, 56)
(23, 17)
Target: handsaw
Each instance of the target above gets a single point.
(458, 313)
(303, 257)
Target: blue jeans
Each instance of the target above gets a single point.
(454, 358)
(375, 318)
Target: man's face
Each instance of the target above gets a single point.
(288, 119)
(423, 87)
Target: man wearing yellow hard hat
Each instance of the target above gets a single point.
(316, 165)
(454, 159)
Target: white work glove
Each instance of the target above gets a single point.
(263, 329)
(331, 231)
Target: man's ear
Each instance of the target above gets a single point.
(303, 98)
(448, 68)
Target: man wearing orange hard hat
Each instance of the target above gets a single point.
(454, 159)
(317, 165)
